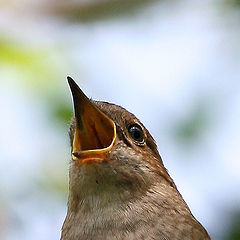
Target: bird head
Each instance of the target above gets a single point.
(113, 154)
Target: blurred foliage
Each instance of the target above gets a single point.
(232, 3)
(39, 74)
(63, 112)
(33, 63)
(234, 231)
(53, 178)
(189, 129)
(231, 8)
(88, 11)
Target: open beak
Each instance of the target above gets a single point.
(95, 133)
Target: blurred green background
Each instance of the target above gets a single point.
(174, 64)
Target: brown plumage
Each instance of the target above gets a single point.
(122, 191)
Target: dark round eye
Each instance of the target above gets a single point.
(136, 132)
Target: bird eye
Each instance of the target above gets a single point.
(136, 133)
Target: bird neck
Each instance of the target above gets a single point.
(101, 215)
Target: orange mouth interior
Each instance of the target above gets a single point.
(95, 137)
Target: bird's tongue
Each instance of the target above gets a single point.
(95, 133)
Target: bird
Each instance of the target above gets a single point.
(119, 188)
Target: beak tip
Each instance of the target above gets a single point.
(73, 87)
(79, 99)
(70, 81)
